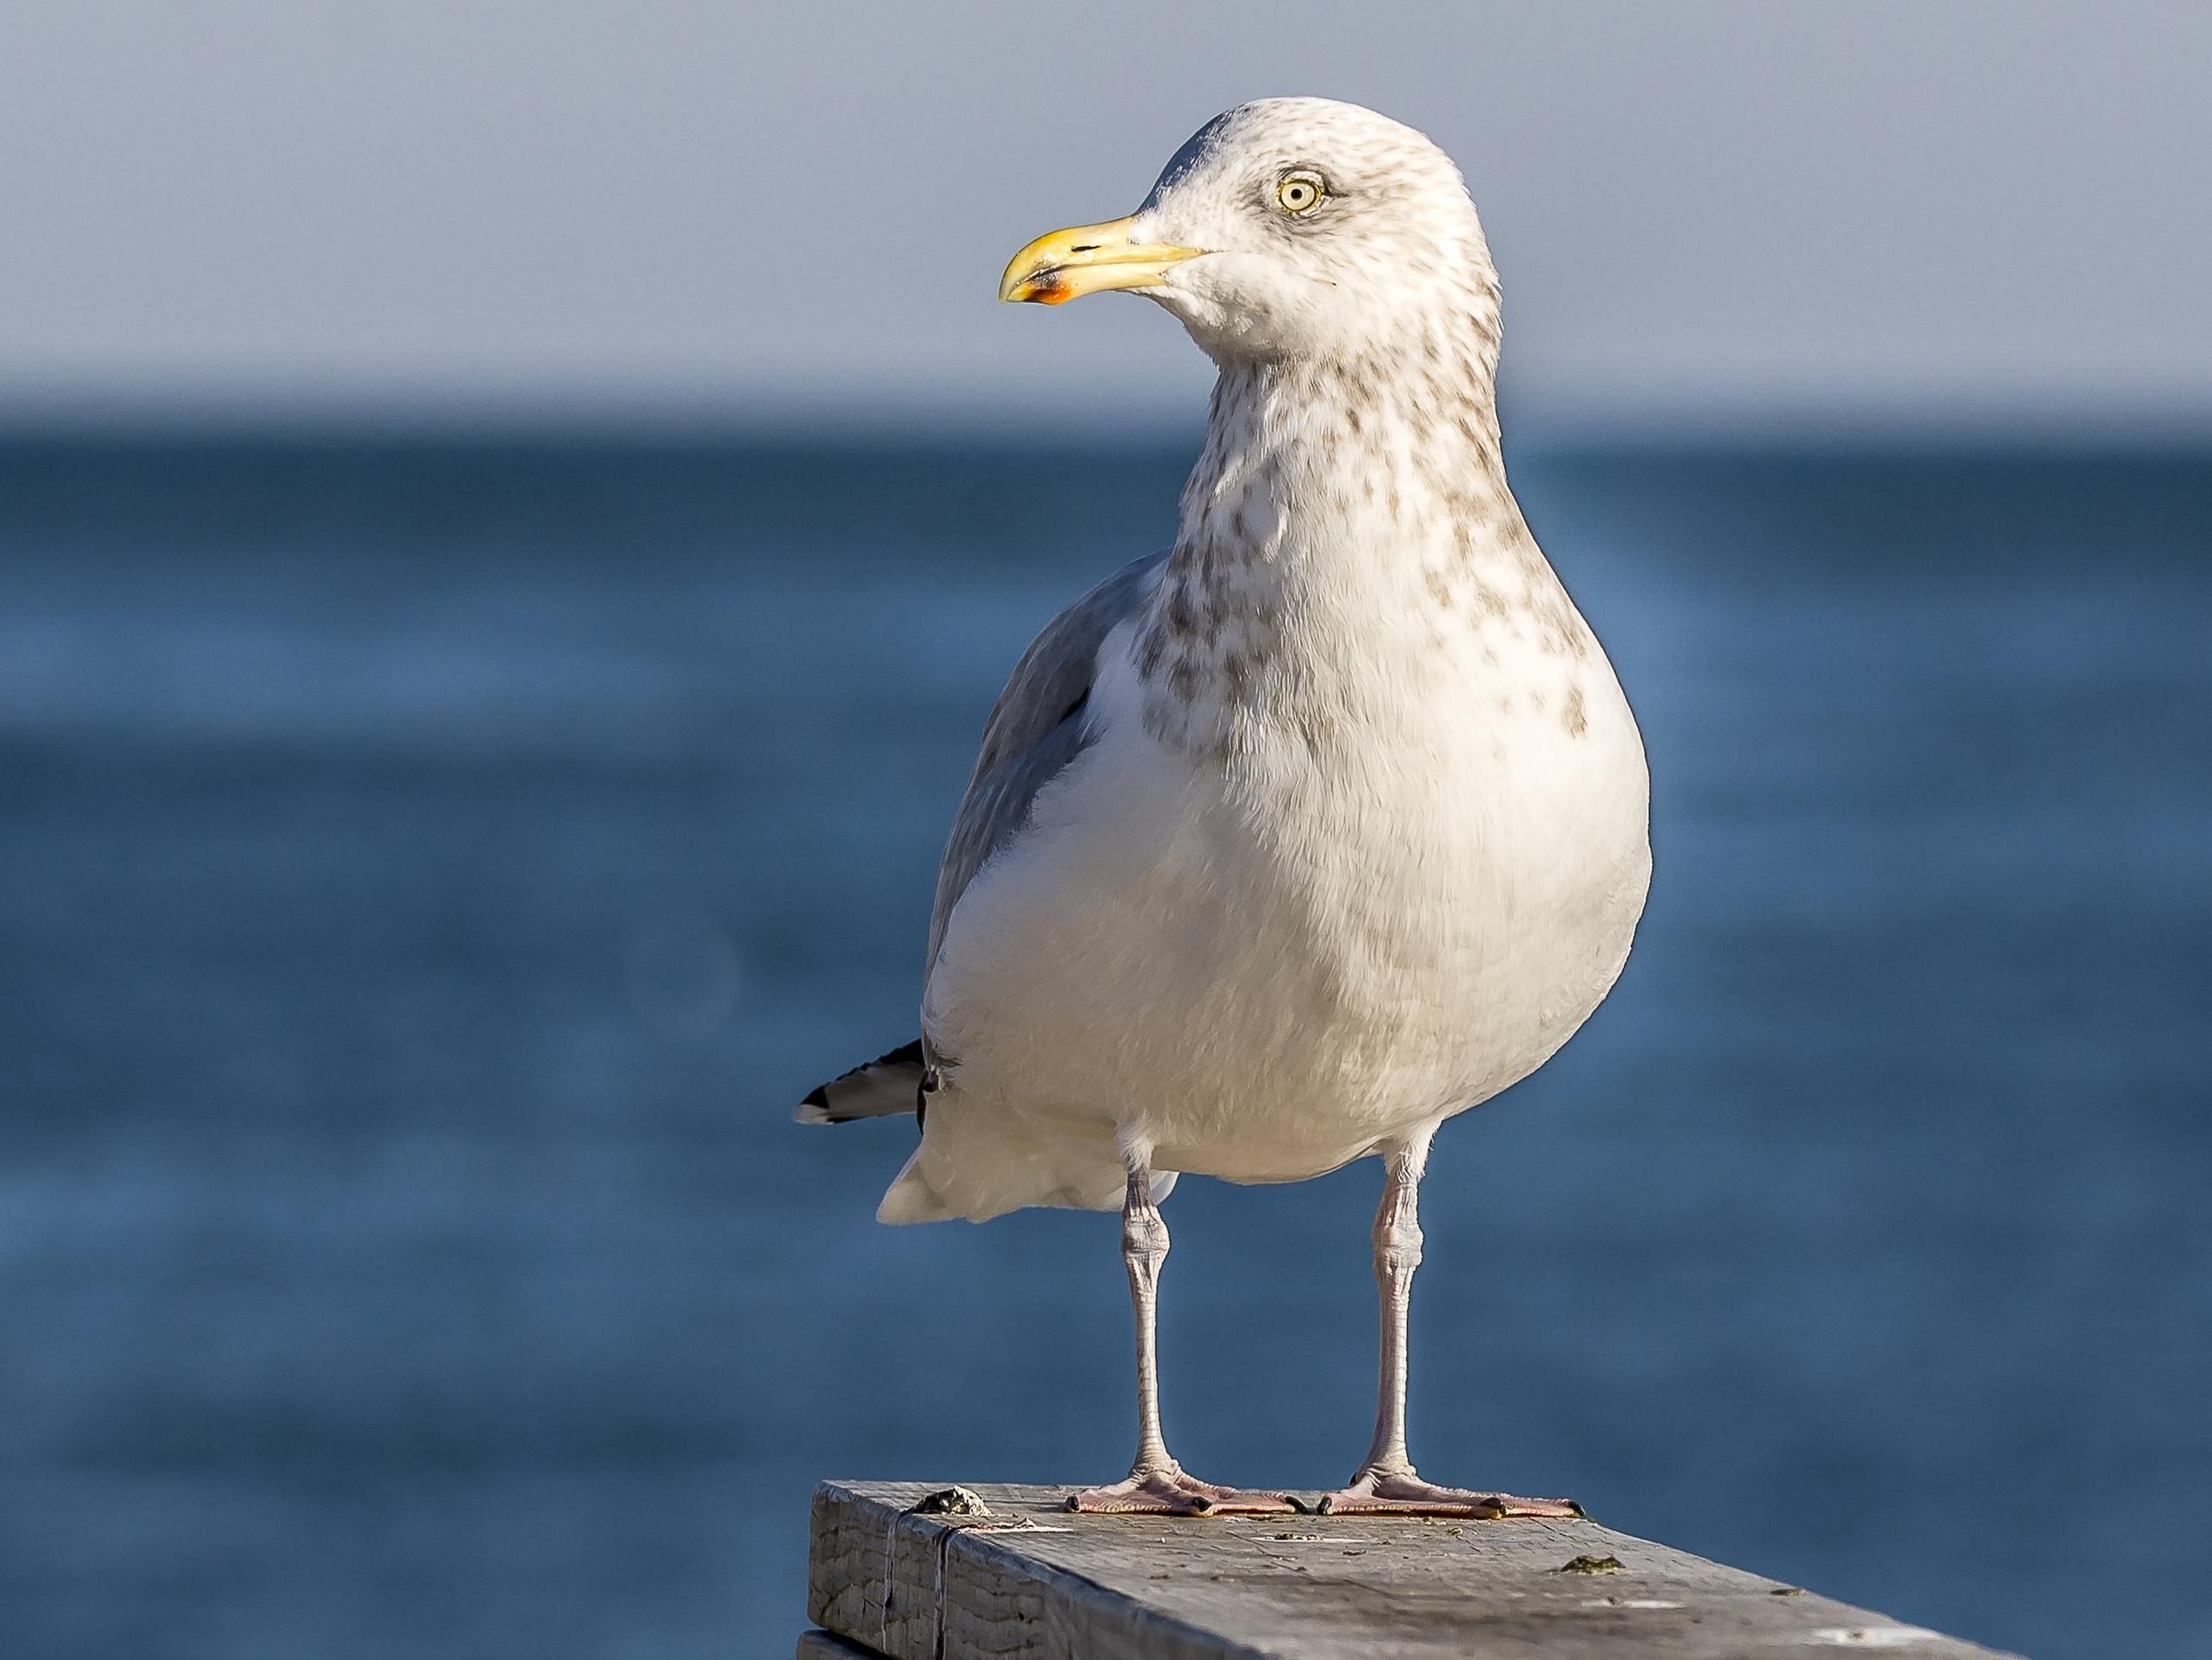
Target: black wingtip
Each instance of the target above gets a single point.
(821, 1105)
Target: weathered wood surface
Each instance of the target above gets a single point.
(1031, 1580)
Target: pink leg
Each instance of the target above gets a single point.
(1156, 1484)
(1386, 1484)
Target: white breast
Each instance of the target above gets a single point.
(1263, 956)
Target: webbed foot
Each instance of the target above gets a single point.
(1167, 1492)
(1402, 1493)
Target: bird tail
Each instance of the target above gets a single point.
(886, 1086)
(977, 1163)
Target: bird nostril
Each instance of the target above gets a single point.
(1084, 247)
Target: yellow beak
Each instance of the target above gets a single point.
(1087, 258)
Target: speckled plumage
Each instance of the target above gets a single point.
(1353, 603)
(1328, 824)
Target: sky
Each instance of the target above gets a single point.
(1935, 213)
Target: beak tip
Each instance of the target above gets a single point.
(1045, 288)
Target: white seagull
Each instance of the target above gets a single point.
(1328, 822)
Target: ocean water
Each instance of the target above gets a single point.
(429, 874)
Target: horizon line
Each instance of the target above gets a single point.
(903, 420)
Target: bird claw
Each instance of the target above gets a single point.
(1372, 1493)
(1169, 1492)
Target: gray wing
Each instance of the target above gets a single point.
(1036, 728)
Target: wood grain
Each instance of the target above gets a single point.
(1031, 1580)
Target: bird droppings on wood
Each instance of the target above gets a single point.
(950, 1501)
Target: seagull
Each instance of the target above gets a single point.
(1330, 822)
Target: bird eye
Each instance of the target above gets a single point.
(1300, 193)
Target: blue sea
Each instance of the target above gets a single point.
(429, 873)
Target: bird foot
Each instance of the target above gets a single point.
(1168, 1492)
(1403, 1493)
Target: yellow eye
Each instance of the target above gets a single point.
(1300, 193)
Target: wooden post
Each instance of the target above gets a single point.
(1025, 1578)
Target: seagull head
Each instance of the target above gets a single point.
(1292, 228)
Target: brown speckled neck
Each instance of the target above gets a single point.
(1322, 482)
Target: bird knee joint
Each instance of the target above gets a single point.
(1398, 1247)
(1144, 1236)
